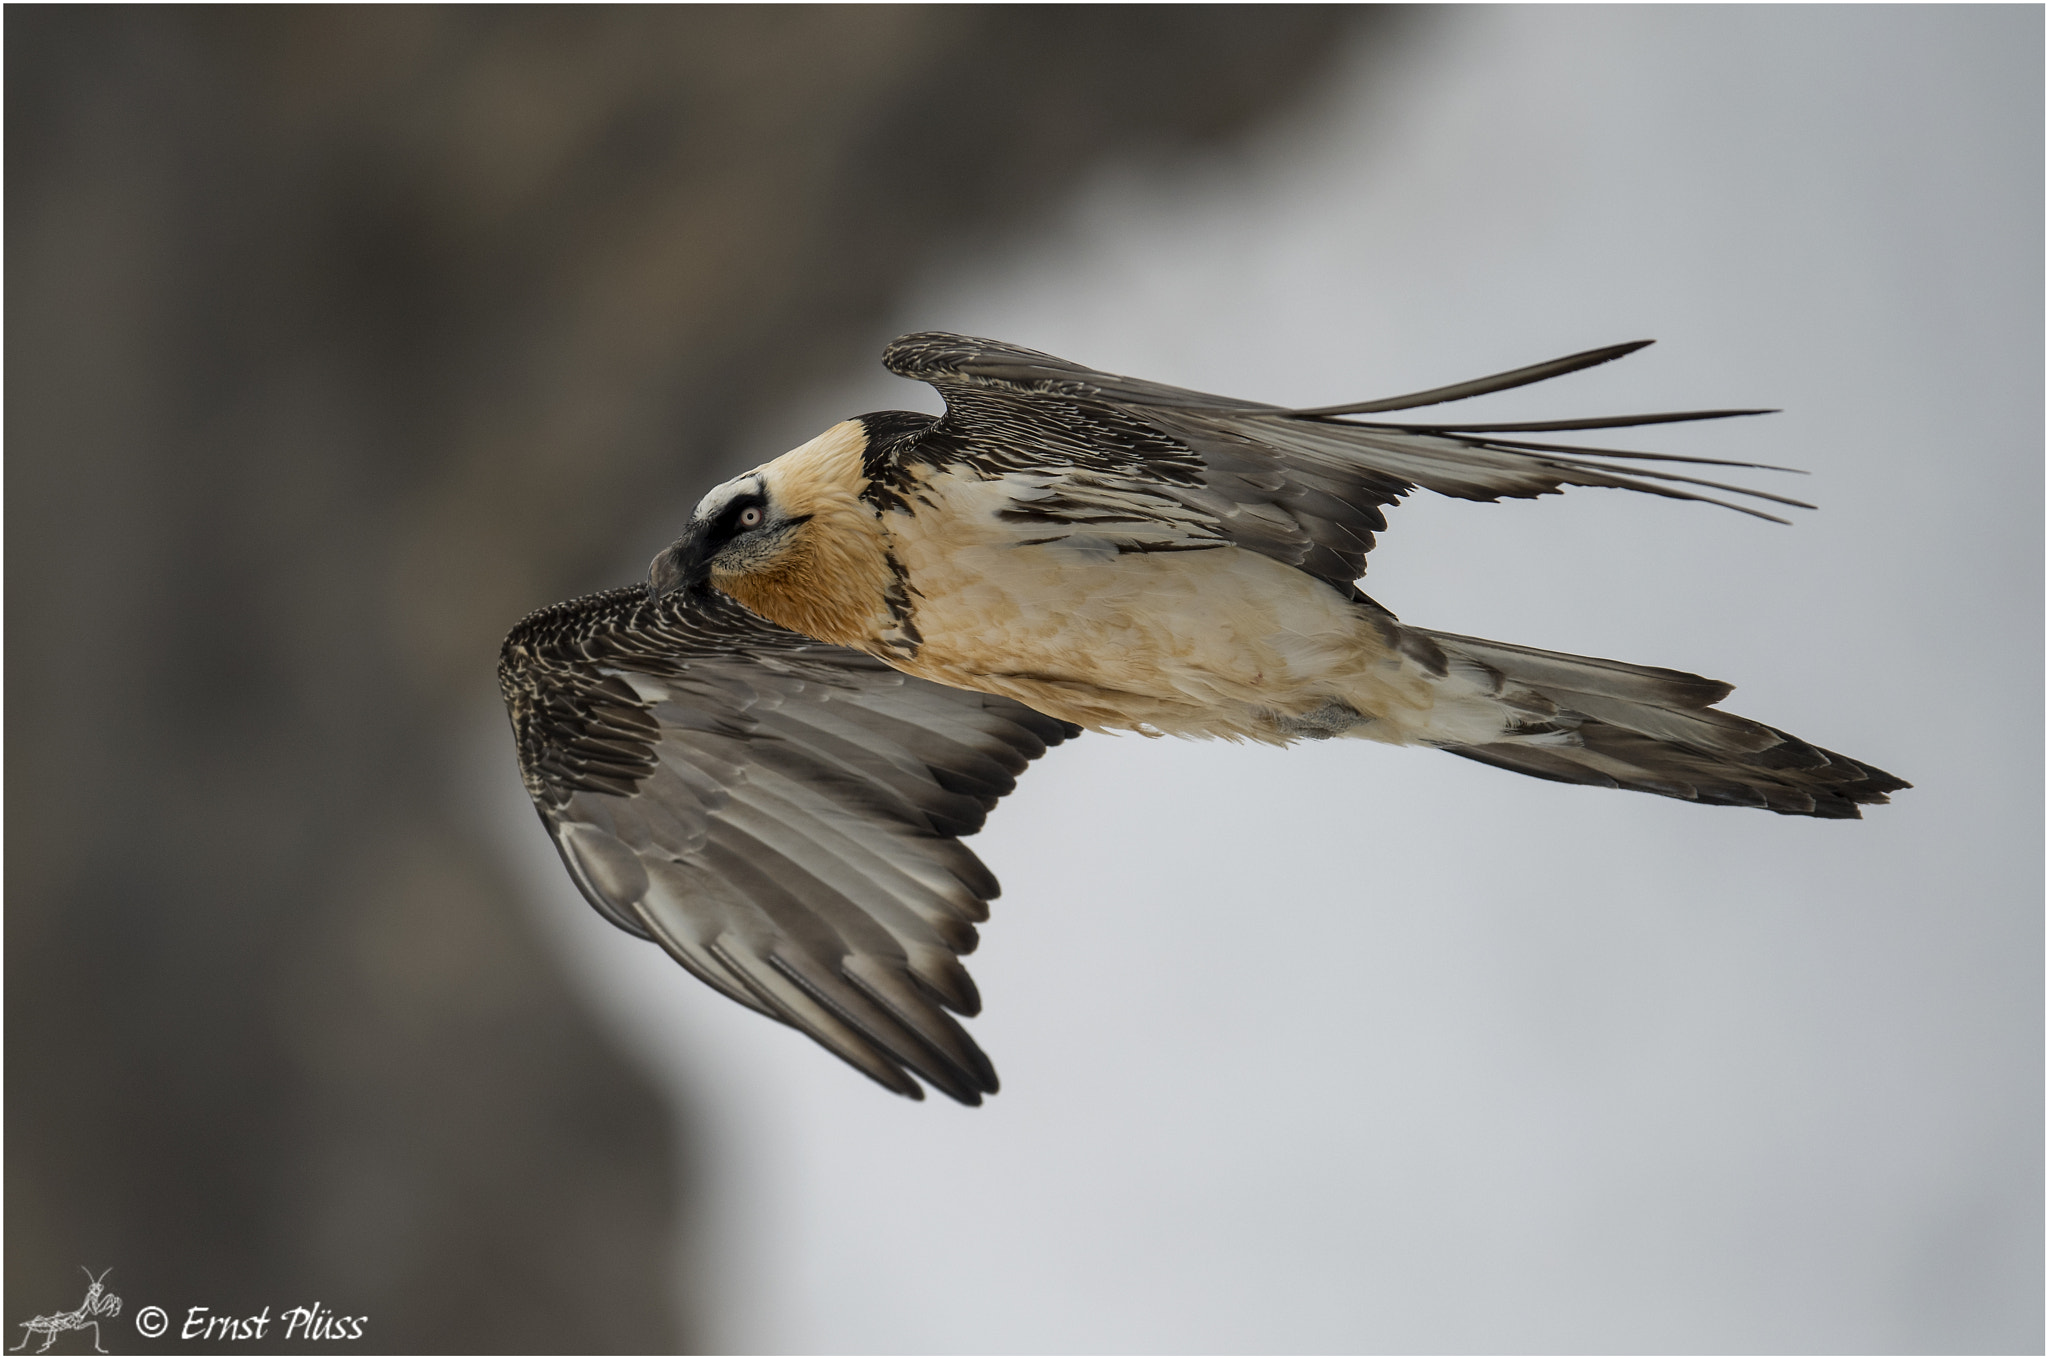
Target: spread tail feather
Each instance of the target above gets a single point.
(1576, 719)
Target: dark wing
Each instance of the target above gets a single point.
(1305, 487)
(781, 815)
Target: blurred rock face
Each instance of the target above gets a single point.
(337, 340)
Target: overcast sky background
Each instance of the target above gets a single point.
(1356, 1049)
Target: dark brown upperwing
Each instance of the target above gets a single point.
(782, 815)
(1306, 487)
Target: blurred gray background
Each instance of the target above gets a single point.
(338, 339)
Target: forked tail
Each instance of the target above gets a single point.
(1575, 719)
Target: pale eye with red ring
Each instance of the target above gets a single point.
(750, 517)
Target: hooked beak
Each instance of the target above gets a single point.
(683, 562)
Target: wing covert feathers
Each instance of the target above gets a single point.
(1303, 486)
(1615, 725)
(781, 815)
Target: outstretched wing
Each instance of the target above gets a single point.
(781, 815)
(1305, 487)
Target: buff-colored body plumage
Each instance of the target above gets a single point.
(1214, 643)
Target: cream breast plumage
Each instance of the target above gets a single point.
(765, 759)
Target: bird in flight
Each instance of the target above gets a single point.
(765, 758)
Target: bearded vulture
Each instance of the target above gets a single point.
(764, 759)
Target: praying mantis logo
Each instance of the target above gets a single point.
(98, 1303)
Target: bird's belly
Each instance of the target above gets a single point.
(1213, 642)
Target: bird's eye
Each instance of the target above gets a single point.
(750, 517)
